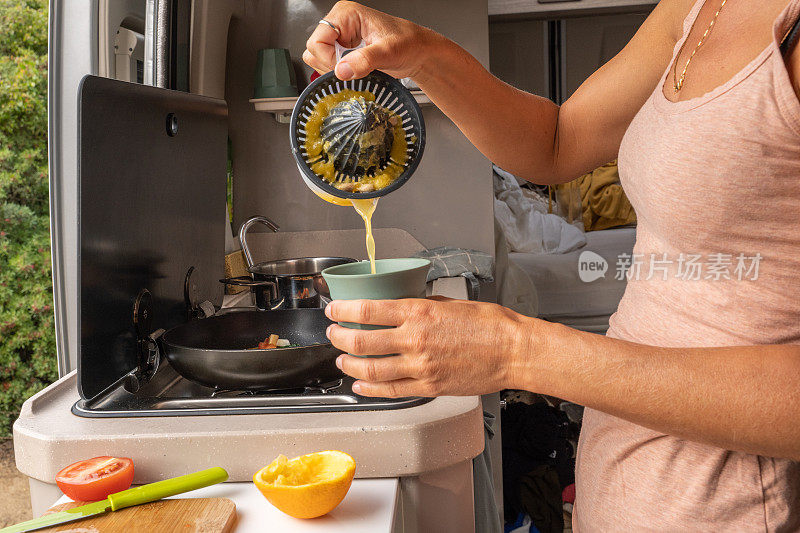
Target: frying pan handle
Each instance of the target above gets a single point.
(243, 235)
(247, 281)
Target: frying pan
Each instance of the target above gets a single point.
(217, 351)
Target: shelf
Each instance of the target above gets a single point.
(281, 108)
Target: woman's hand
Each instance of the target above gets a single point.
(393, 45)
(444, 347)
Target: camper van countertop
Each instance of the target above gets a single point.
(438, 434)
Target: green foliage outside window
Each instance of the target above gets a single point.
(27, 341)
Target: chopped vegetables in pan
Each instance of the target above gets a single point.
(272, 341)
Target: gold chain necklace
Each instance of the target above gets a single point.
(677, 83)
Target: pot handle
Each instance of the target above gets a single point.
(247, 281)
(243, 235)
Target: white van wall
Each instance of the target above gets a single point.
(72, 53)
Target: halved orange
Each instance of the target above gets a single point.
(307, 486)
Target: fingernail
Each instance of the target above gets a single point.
(339, 362)
(344, 71)
(328, 331)
(329, 311)
(357, 387)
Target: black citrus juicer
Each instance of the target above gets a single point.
(356, 139)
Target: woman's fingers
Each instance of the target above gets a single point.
(316, 64)
(375, 312)
(348, 19)
(320, 51)
(375, 369)
(321, 55)
(358, 63)
(321, 45)
(398, 388)
(364, 342)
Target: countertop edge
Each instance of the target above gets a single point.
(452, 435)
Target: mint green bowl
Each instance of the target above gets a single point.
(393, 279)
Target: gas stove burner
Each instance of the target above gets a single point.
(230, 393)
(168, 394)
(319, 388)
(324, 388)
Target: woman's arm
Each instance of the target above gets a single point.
(744, 398)
(740, 398)
(525, 134)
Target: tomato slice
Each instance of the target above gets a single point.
(94, 479)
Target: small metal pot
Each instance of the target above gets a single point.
(263, 291)
(298, 282)
(285, 283)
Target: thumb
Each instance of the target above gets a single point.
(359, 63)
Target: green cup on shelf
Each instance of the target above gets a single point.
(275, 76)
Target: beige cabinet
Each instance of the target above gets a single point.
(552, 56)
(518, 54)
(587, 43)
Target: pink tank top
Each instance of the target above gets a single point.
(716, 178)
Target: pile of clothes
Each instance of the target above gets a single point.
(534, 220)
(603, 202)
(525, 222)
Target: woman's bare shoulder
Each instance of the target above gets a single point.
(672, 13)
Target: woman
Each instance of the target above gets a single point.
(693, 394)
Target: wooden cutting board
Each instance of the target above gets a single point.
(201, 515)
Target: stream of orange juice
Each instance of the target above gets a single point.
(366, 208)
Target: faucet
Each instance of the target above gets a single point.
(243, 235)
